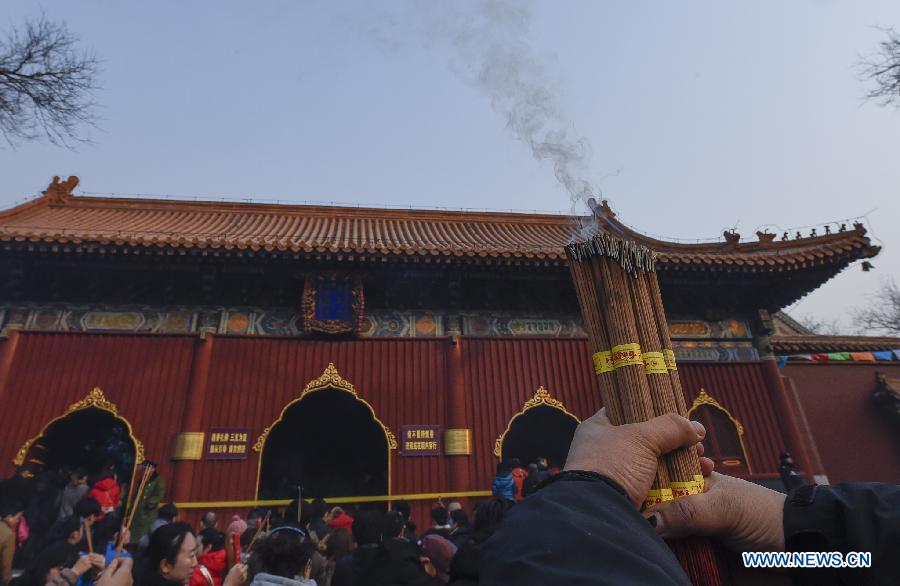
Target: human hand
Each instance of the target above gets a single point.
(629, 454)
(97, 560)
(428, 566)
(237, 576)
(117, 573)
(745, 516)
(83, 565)
(124, 535)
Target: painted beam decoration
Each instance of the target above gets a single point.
(420, 440)
(332, 304)
(227, 443)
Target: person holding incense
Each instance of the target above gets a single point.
(148, 504)
(595, 504)
(58, 565)
(591, 530)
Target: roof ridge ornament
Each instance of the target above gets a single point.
(60, 191)
(731, 236)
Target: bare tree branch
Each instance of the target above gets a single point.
(820, 326)
(883, 68)
(47, 85)
(882, 315)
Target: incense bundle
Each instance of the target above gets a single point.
(260, 529)
(623, 313)
(131, 505)
(145, 478)
(621, 305)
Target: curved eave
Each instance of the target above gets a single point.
(814, 344)
(75, 223)
(837, 256)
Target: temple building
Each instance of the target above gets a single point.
(258, 351)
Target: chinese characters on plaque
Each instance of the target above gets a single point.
(227, 443)
(420, 440)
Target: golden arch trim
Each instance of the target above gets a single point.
(95, 399)
(705, 399)
(330, 379)
(541, 398)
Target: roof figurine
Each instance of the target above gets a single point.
(59, 191)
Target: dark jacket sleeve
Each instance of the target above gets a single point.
(862, 517)
(577, 531)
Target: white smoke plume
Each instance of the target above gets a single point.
(492, 51)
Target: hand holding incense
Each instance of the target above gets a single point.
(621, 305)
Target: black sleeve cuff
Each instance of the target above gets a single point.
(812, 521)
(582, 476)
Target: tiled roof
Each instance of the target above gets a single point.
(61, 218)
(817, 344)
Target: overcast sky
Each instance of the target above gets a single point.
(700, 116)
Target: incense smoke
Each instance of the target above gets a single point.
(492, 53)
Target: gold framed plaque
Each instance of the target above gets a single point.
(188, 445)
(458, 442)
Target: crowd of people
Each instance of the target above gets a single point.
(513, 482)
(80, 532)
(582, 525)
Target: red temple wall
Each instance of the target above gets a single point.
(166, 384)
(144, 376)
(854, 441)
(252, 379)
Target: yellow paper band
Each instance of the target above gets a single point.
(656, 496)
(626, 355)
(670, 359)
(701, 481)
(655, 363)
(603, 362)
(682, 489)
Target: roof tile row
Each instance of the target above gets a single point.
(60, 217)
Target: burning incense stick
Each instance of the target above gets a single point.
(148, 473)
(259, 531)
(87, 535)
(131, 508)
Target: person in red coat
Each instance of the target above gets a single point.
(212, 559)
(340, 519)
(518, 474)
(107, 492)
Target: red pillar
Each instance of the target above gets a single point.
(788, 418)
(183, 470)
(7, 354)
(459, 466)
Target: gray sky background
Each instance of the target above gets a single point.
(701, 116)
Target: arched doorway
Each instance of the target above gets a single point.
(90, 434)
(329, 442)
(724, 441)
(542, 428)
